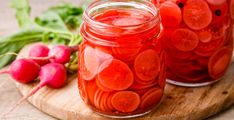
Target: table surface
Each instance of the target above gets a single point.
(9, 93)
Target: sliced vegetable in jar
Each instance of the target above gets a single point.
(147, 65)
(219, 62)
(115, 75)
(184, 39)
(197, 14)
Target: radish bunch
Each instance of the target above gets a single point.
(43, 63)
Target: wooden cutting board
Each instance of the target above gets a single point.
(178, 103)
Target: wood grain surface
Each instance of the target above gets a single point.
(221, 92)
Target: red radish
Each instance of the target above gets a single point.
(23, 70)
(39, 50)
(52, 75)
(58, 54)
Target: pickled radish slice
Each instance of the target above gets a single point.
(125, 101)
(115, 75)
(219, 62)
(91, 90)
(103, 54)
(127, 21)
(147, 65)
(204, 36)
(97, 98)
(103, 102)
(170, 13)
(216, 2)
(232, 9)
(139, 85)
(151, 98)
(184, 39)
(89, 63)
(109, 104)
(102, 87)
(207, 49)
(126, 53)
(197, 14)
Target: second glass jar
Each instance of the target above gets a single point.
(197, 39)
(121, 63)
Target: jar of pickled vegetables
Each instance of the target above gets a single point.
(121, 63)
(197, 40)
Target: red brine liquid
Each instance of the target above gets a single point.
(197, 39)
(121, 63)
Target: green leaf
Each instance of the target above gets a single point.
(70, 14)
(51, 20)
(16, 42)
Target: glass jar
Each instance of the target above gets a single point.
(121, 63)
(197, 39)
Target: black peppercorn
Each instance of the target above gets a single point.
(218, 12)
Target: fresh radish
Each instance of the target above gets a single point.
(58, 54)
(52, 75)
(23, 70)
(39, 50)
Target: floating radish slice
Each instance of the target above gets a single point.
(127, 21)
(232, 8)
(102, 87)
(204, 36)
(97, 98)
(126, 53)
(139, 86)
(89, 63)
(184, 39)
(216, 2)
(170, 14)
(207, 49)
(147, 65)
(219, 62)
(141, 92)
(151, 98)
(197, 14)
(103, 54)
(115, 75)
(109, 104)
(125, 101)
(91, 89)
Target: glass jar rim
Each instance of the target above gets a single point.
(104, 3)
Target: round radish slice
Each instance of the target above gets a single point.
(91, 88)
(115, 75)
(204, 36)
(147, 65)
(184, 39)
(151, 98)
(125, 101)
(89, 63)
(207, 49)
(216, 2)
(197, 14)
(126, 53)
(219, 62)
(170, 14)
